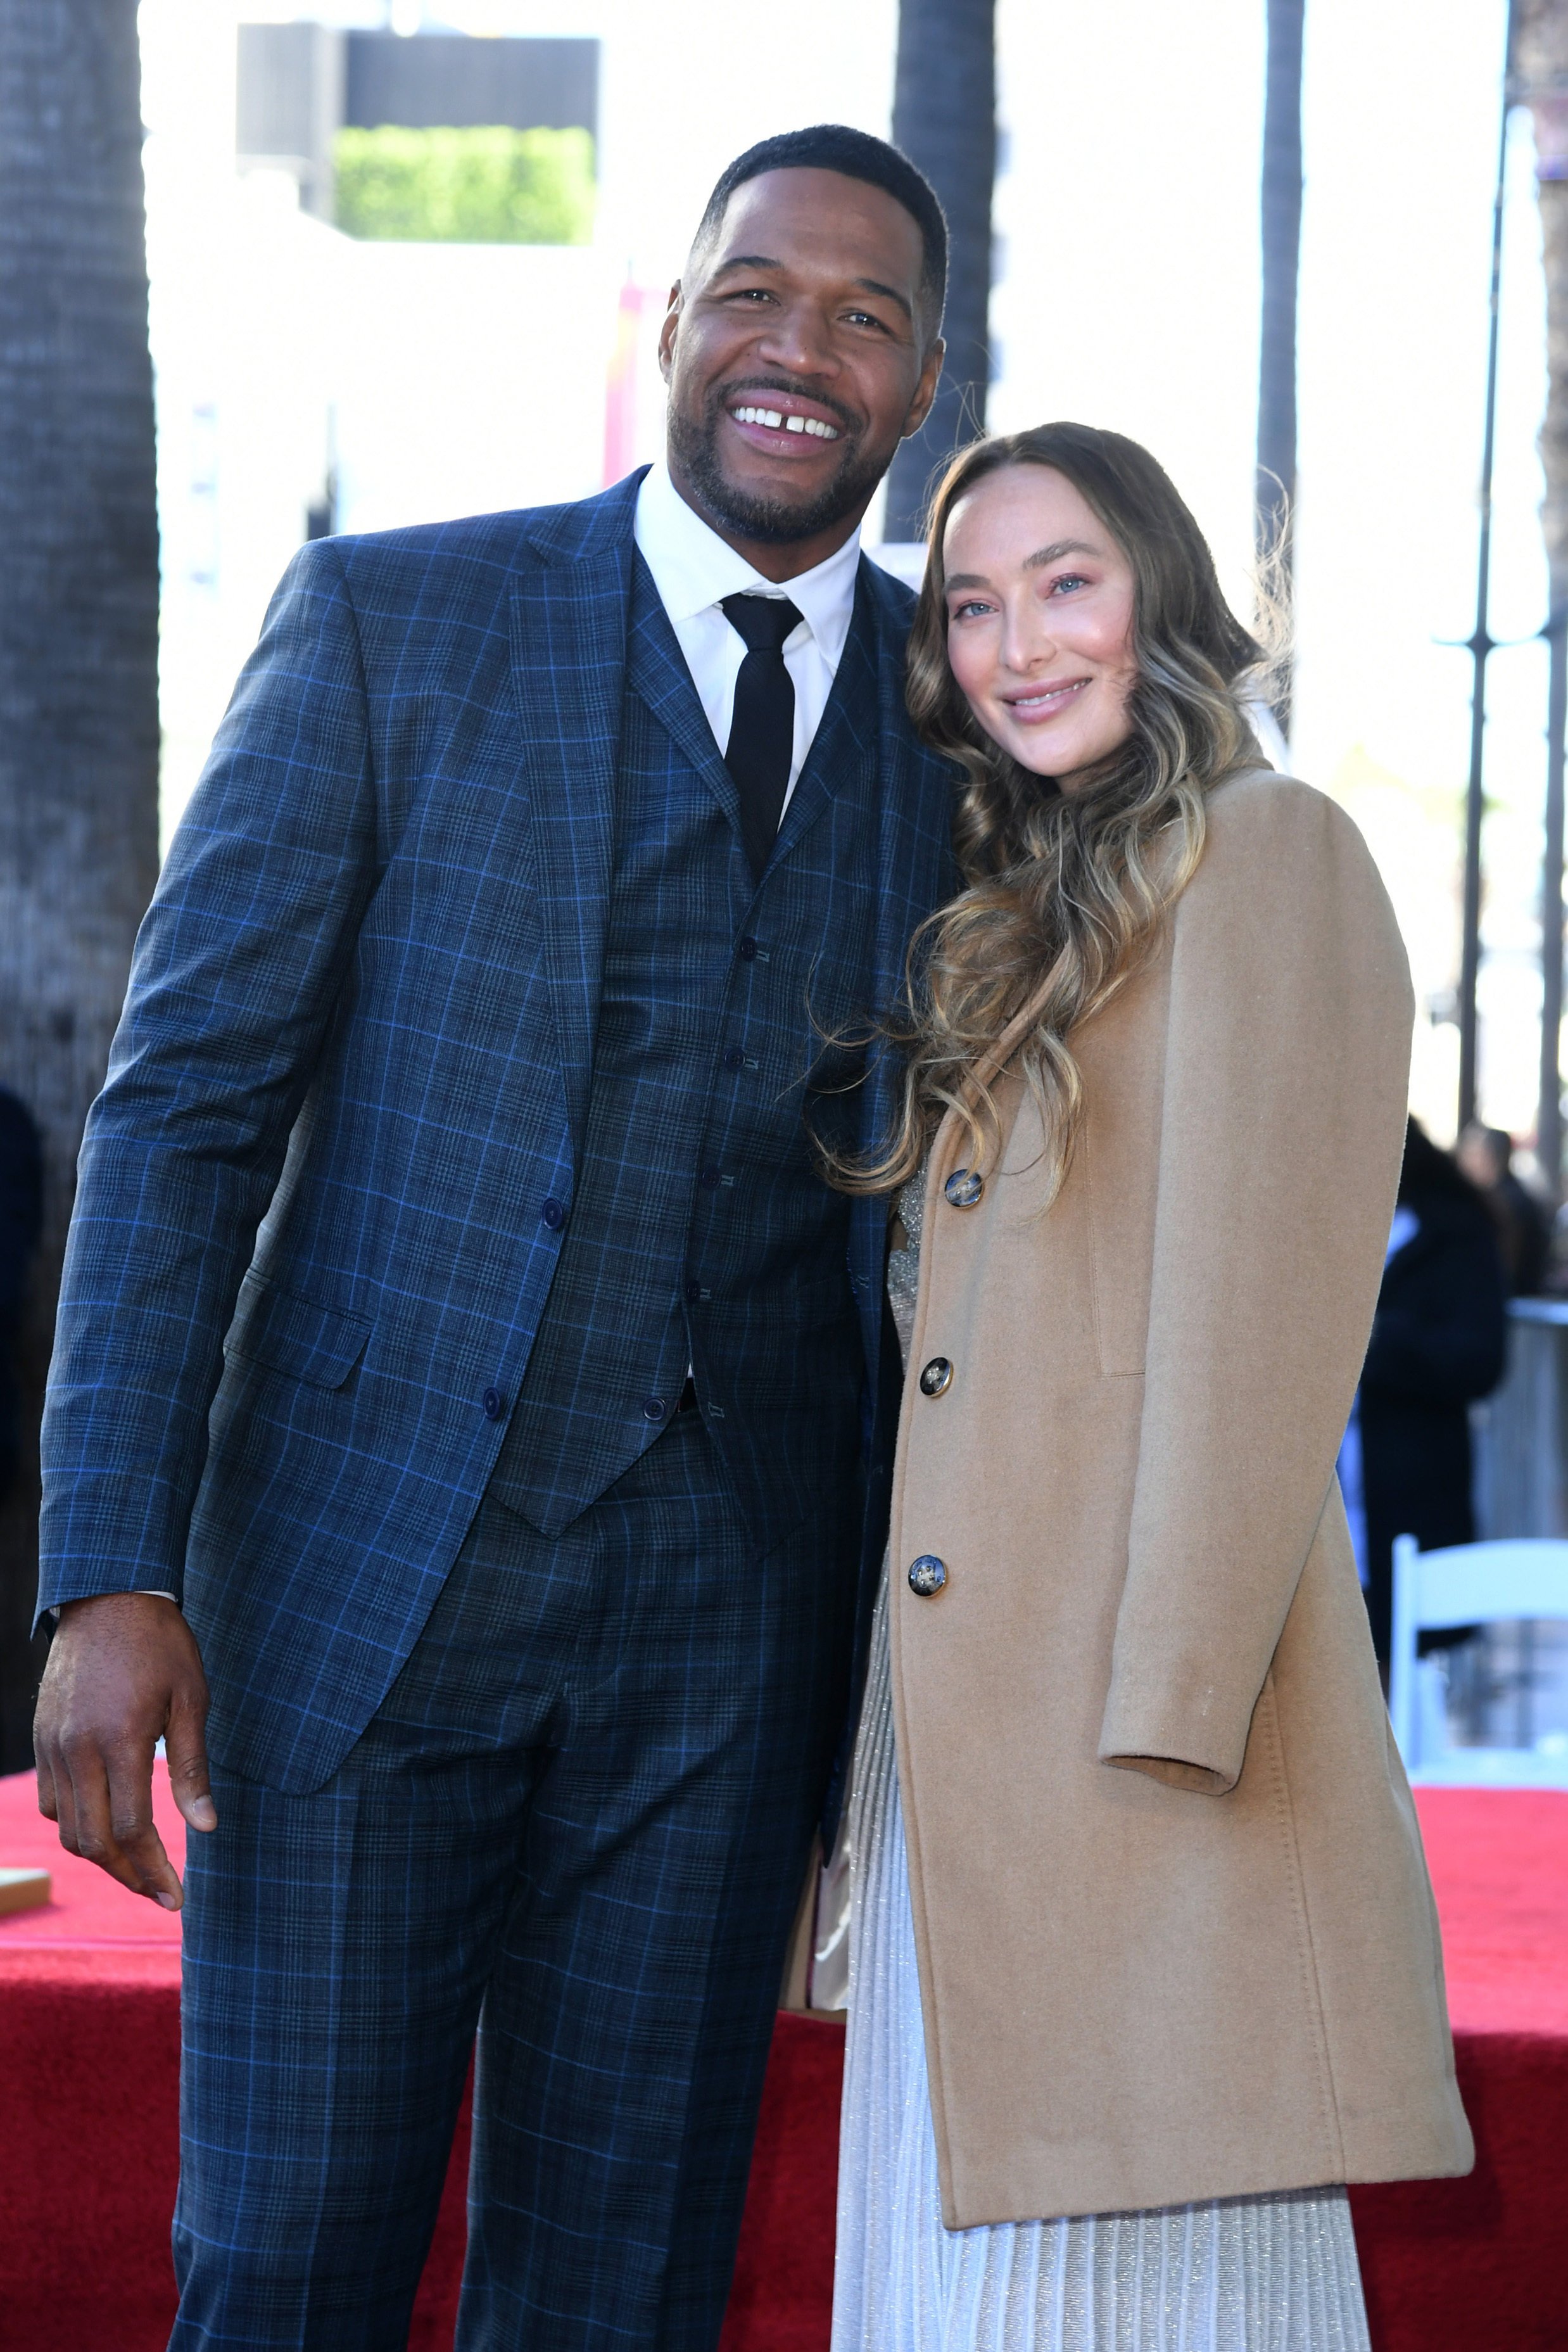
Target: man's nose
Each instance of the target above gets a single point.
(797, 338)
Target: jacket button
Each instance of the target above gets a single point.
(495, 1405)
(936, 1377)
(749, 951)
(554, 1215)
(964, 1188)
(654, 1407)
(694, 1293)
(708, 1179)
(928, 1575)
(735, 1059)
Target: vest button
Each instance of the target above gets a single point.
(964, 1188)
(693, 1293)
(709, 1180)
(734, 1058)
(749, 951)
(554, 1215)
(936, 1377)
(654, 1407)
(927, 1575)
(495, 1405)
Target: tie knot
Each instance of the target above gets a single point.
(763, 621)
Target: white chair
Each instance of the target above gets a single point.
(1469, 1584)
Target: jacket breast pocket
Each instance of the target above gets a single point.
(296, 1336)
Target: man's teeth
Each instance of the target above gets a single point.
(775, 420)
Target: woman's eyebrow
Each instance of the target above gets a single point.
(1056, 551)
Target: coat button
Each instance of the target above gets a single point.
(708, 1179)
(735, 1058)
(654, 1407)
(553, 1214)
(749, 951)
(928, 1575)
(495, 1405)
(935, 1376)
(694, 1293)
(964, 1188)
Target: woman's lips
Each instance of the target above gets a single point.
(1045, 702)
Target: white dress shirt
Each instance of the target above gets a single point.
(694, 570)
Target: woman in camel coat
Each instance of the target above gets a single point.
(1168, 1936)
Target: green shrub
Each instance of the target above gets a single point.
(489, 185)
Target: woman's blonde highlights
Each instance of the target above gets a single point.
(1065, 893)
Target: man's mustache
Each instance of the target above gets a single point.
(851, 424)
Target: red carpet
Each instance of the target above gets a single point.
(89, 2066)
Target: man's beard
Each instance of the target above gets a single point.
(771, 521)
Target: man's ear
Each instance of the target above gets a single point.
(673, 309)
(924, 391)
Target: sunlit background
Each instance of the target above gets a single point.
(308, 379)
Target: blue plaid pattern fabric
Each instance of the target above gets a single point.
(348, 1098)
(581, 1814)
(702, 1232)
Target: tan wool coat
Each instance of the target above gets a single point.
(1176, 1935)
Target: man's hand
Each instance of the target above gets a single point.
(124, 1672)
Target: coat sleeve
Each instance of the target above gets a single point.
(237, 969)
(1286, 1069)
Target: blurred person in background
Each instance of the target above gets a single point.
(1485, 1154)
(21, 1223)
(464, 1368)
(1438, 1340)
(1153, 1971)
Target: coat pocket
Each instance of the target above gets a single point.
(298, 1336)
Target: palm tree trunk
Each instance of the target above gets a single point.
(944, 120)
(1540, 68)
(1281, 249)
(79, 631)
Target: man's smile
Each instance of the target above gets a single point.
(781, 424)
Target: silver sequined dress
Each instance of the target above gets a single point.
(1239, 2274)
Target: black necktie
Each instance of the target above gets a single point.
(762, 732)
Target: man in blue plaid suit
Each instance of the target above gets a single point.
(464, 1370)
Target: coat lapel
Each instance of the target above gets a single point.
(569, 660)
(657, 672)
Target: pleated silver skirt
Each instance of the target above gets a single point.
(1242, 2275)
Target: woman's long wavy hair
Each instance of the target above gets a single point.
(1066, 892)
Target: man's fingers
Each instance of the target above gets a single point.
(112, 1801)
(185, 1746)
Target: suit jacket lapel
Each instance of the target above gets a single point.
(657, 672)
(569, 661)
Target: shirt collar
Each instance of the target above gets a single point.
(693, 568)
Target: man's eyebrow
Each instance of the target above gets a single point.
(890, 293)
(768, 261)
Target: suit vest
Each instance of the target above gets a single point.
(701, 1231)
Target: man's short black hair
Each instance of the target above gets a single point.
(834, 147)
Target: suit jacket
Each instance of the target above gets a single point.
(1176, 1935)
(345, 1096)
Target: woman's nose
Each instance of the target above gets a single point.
(1027, 644)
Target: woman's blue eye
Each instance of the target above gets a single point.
(1069, 580)
(959, 611)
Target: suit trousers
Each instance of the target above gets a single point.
(578, 1822)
